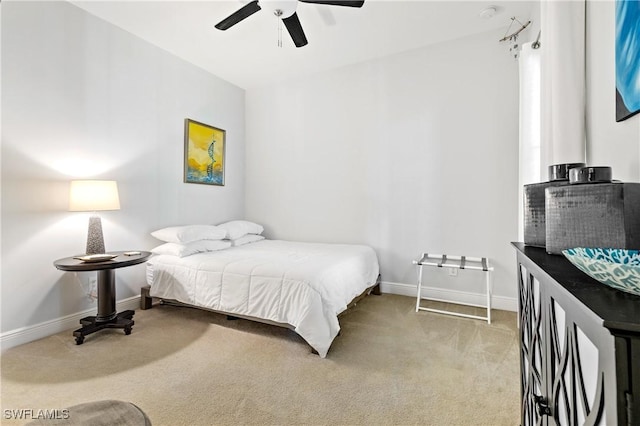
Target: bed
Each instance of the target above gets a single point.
(303, 286)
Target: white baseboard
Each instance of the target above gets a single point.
(454, 296)
(30, 333)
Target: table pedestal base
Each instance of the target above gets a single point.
(91, 325)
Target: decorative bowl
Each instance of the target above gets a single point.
(94, 258)
(616, 268)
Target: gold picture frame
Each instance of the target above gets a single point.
(204, 153)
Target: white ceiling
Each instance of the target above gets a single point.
(248, 56)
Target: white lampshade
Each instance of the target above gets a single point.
(93, 195)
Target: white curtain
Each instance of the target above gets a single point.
(563, 82)
(530, 127)
(552, 94)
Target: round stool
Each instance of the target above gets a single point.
(97, 413)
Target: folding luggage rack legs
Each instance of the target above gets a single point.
(455, 262)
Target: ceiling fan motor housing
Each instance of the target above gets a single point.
(280, 8)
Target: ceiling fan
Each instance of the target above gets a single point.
(283, 9)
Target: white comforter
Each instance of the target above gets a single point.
(305, 285)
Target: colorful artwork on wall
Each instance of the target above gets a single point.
(204, 148)
(627, 58)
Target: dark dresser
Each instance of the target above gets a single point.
(579, 345)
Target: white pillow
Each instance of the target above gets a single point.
(189, 233)
(249, 238)
(239, 228)
(182, 250)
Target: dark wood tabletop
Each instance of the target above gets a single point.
(122, 260)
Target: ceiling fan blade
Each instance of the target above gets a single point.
(350, 3)
(295, 30)
(242, 13)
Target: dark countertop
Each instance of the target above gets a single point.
(73, 264)
(619, 311)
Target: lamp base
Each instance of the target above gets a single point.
(95, 241)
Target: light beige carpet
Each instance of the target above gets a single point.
(182, 366)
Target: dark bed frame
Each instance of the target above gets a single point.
(147, 302)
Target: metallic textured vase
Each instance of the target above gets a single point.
(592, 215)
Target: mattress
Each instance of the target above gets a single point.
(305, 285)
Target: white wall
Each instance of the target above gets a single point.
(410, 153)
(84, 99)
(608, 143)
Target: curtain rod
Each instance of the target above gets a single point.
(536, 44)
(515, 34)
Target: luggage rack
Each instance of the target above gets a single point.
(455, 262)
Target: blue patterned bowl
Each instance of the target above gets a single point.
(616, 268)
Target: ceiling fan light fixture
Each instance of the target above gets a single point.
(280, 8)
(488, 12)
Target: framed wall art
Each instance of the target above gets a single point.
(627, 58)
(204, 148)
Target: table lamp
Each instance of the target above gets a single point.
(94, 196)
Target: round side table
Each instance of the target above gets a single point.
(107, 316)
